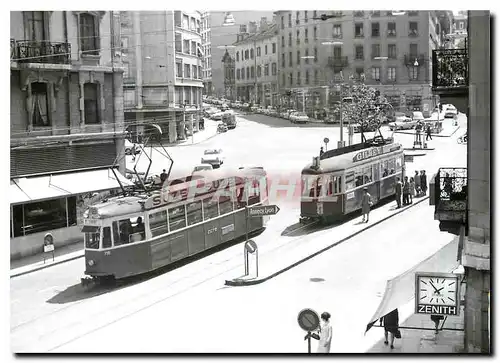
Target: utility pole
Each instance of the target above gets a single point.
(255, 70)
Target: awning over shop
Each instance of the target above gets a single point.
(401, 290)
(24, 190)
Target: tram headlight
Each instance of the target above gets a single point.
(91, 262)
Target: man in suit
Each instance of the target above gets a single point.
(399, 191)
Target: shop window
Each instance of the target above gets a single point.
(106, 237)
(210, 208)
(40, 104)
(39, 216)
(194, 213)
(90, 96)
(177, 218)
(158, 223)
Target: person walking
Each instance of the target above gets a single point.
(391, 325)
(412, 189)
(163, 176)
(366, 203)
(399, 190)
(417, 183)
(406, 192)
(428, 133)
(325, 334)
(423, 182)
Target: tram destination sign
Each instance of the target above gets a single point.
(263, 210)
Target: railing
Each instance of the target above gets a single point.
(450, 68)
(409, 60)
(451, 194)
(43, 52)
(12, 48)
(337, 62)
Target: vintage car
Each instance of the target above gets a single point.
(213, 157)
(299, 117)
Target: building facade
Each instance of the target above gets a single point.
(392, 52)
(66, 122)
(206, 45)
(228, 68)
(163, 83)
(256, 64)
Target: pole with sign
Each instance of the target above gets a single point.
(48, 245)
(326, 140)
(308, 320)
(250, 245)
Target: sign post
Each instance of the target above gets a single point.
(48, 245)
(250, 245)
(326, 140)
(308, 320)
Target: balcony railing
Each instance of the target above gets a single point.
(43, 52)
(450, 69)
(450, 193)
(338, 61)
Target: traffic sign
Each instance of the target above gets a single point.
(308, 320)
(251, 246)
(263, 210)
(326, 140)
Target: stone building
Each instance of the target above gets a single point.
(66, 122)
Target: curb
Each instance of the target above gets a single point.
(47, 266)
(239, 282)
(433, 135)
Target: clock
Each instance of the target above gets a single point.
(437, 293)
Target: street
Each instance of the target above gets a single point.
(50, 311)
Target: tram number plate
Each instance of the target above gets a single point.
(212, 230)
(350, 195)
(107, 253)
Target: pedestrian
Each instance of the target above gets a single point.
(325, 334)
(399, 189)
(423, 182)
(321, 152)
(366, 203)
(391, 325)
(428, 133)
(417, 183)
(412, 189)
(448, 187)
(133, 151)
(163, 176)
(406, 192)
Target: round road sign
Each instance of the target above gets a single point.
(48, 239)
(251, 246)
(308, 320)
(326, 140)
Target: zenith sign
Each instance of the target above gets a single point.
(263, 210)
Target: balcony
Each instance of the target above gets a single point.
(450, 74)
(449, 196)
(43, 52)
(338, 62)
(409, 60)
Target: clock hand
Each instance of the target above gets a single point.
(434, 287)
(440, 289)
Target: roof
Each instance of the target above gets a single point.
(345, 161)
(269, 32)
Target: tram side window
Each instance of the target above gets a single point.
(337, 185)
(399, 163)
(391, 165)
(106, 237)
(253, 192)
(210, 208)
(177, 218)
(240, 198)
(116, 234)
(384, 168)
(194, 213)
(126, 230)
(367, 175)
(225, 205)
(350, 181)
(158, 223)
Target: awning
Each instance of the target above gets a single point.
(401, 290)
(24, 190)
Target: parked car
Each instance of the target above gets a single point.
(418, 116)
(261, 110)
(402, 123)
(221, 128)
(273, 112)
(213, 157)
(199, 169)
(287, 113)
(229, 119)
(450, 111)
(299, 117)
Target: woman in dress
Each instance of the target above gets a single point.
(325, 334)
(412, 189)
(391, 325)
(365, 205)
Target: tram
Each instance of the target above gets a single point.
(332, 186)
(135, 234)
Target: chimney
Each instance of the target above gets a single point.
(252, 27)
(243, 28)
(263, 23)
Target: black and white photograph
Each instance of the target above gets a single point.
(291, 182)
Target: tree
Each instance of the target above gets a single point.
(363, 105)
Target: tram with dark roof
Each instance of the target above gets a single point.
(332, 185)
(136, 234)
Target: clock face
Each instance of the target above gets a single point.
(437, 290)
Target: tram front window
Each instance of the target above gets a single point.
(92, 240)
(311, 186)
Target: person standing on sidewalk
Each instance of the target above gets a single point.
(366, 203)
(325, 334)
(399, 189)
(423, 182)
(406, 192)
(391, 325)
(428, 133)
(417, 183)
(412, 189)
(163, 177)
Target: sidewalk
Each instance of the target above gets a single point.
(34, 263)
(276, 260)
(448, 129)
(209, 132)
